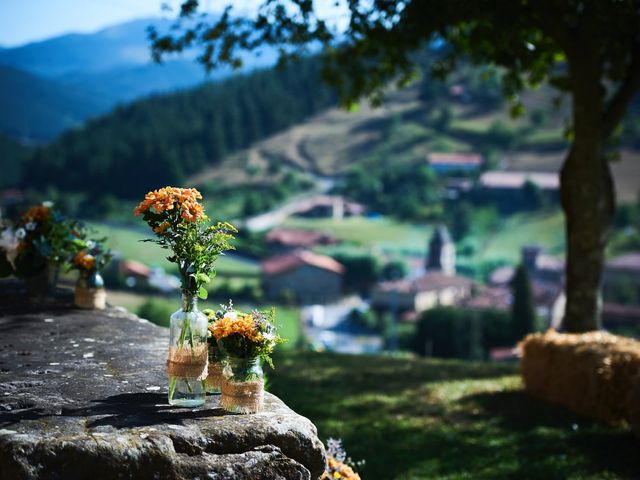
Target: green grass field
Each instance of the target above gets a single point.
(384, 233)
(436, 419)
(545, 229)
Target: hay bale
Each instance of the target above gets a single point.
(595, 374)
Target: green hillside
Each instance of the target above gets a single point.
(12, 155)
(37, 109)
(162, 139)
(435, 419)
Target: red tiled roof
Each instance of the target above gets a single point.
(501, 275)
(627, 262)
(505, 353)
(284, 263)
(494, 298)
(616, 311)
(515, 180)
(292, 237)
(428, 282)
(467, 159)
(132, 267)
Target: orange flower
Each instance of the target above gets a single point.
(339, 470)
(162, 227)
(168, 198)
(84, 260)
(37, 214)
(241, 324)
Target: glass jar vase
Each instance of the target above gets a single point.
(41, 285)
(187, 362)
(243, 386)
(215, 368)
(89, 291)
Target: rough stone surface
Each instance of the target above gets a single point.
(83, 395)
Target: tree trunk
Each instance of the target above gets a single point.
(588, 202)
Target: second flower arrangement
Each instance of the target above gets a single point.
(238, 343)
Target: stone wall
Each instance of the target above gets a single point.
(83, 395)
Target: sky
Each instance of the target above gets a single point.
(25, 21)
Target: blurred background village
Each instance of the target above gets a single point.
(425, 225)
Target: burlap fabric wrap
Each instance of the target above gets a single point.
(187, 362)
(242, 397)
(91, 298)
(215, 376)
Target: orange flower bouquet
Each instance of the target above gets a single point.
(178, 220)
(339, 466)
(91, 257)
(245, 339)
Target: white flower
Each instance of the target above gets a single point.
(47, 204)
(91, 244)
(9, 243)
(20, 233)
(231, 315)
(269, 336)
(31, 226)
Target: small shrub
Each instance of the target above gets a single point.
(157, 311)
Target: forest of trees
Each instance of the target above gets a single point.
(163, 139)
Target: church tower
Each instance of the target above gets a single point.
(442, 252)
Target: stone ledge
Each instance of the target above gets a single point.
(83, 395)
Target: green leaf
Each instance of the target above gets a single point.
(203, 277)
(202, 293)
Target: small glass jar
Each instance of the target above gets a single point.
(243, 388)
(186, 366)
(89, 291)
(40, 286)
(215, 375)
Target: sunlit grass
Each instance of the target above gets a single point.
(435, 419)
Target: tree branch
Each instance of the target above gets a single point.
(618, 104)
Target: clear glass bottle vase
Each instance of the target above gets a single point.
(186, 367)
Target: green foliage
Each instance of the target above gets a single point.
(361, 270)
(157, 310)
(405, 191)
(532, 196)
(246, 336)
(523, 314)
(452, 332)
(447, 332)
(12, 156)
(181, 226)
(394, 270)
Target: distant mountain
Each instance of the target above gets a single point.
(36, 109)
(117, 46)
(91, 73)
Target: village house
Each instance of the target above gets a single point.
(281, 240)
(439, 286)
(621, 279)
(506, 188)
(445, 163)
(329, 206)
(423, 293)
(308, 277)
